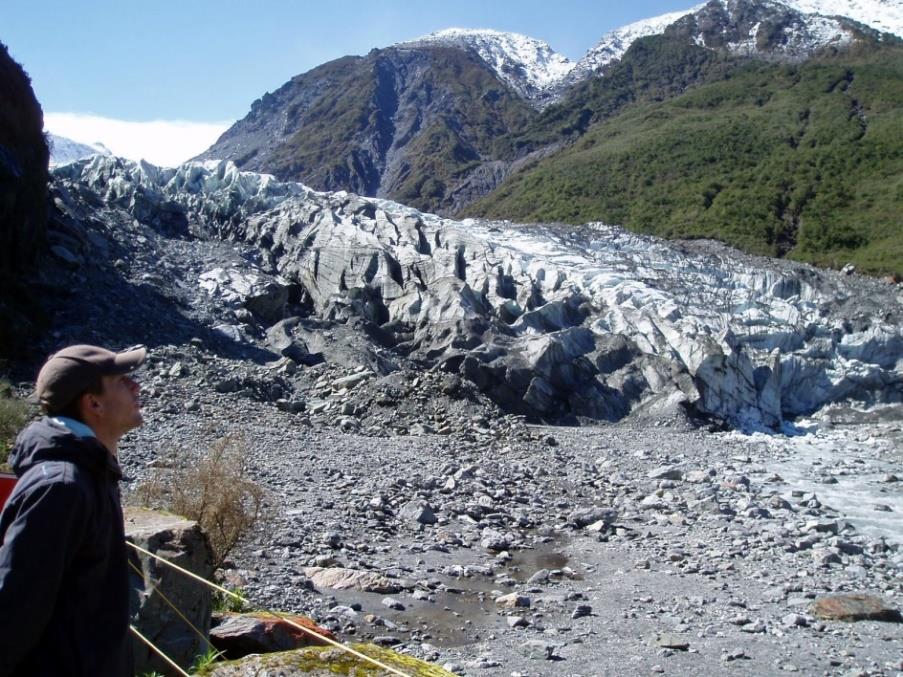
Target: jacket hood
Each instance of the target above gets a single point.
(49, 440)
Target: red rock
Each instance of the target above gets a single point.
(239, 635)
(854, 608)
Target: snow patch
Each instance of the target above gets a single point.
(528, 65)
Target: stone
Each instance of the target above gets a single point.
(540, 577)
(855, 607)
(698, 476)
(668, 640)
(238, 635)
(338, 578)
(581, 611)
(351, 380)
(495, 540)
(666, 472)
(536, 649)
(794, 621)
(181, 542)
(512, 600)
(418, 511)
(583, 517)
(392, 603)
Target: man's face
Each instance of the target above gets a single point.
(119, 408)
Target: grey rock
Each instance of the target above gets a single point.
(392, 603)
(665, 472)
(418, 511)
(537, 649)
(181, 542)
(583, 517)
(512, 600)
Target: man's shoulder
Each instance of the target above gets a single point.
(59, 476)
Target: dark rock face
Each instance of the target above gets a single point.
(23, 193)
(411, 124)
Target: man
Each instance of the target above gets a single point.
(64, 607)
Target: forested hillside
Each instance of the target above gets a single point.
(804, 160)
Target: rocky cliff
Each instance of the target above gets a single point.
(556, 324)
(23, 195)
(410, 123)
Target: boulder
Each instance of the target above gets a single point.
(338, 578)
(181, 542)
(856, 607)
(583, 517)
(238, 635)
(418, 511)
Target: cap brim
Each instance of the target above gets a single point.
(130, 360)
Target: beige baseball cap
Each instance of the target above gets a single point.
(71, 371)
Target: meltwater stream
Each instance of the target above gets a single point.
(852, 463)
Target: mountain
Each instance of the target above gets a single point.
(64, 151)
(529, 66)
(409, 123)
(448, 119)
(615, 43)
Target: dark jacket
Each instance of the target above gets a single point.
(64, 605)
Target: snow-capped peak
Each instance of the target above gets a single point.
(63, 150)
(529, 65)
(614, 43)
(805, 24)
(882, 15)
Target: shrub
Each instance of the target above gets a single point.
(14, 414)
(215, 491)
(224, 602)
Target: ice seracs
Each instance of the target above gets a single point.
(591, 321)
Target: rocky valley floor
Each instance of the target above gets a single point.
(498, 548)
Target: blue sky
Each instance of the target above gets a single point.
(198, 61)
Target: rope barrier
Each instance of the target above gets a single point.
(157, 651)
(282, 617)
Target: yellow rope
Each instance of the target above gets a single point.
(172, 606)
(158, 652)
(282, 617)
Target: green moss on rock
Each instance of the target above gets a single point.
(324, 662)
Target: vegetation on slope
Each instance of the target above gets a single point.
(405, 123)
(655, 68)
(802, 160)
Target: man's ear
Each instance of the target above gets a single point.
(89, 404)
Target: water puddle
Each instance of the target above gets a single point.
(464, 610)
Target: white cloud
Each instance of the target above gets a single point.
(161, 142)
